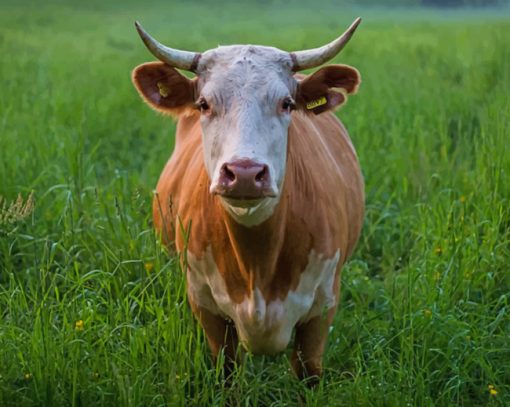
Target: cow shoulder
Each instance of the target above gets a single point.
(326, 182)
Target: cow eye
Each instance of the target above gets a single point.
(202, 104)
(288, 104)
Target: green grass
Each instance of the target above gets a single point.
(424, 317)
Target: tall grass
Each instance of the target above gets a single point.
(93, 309)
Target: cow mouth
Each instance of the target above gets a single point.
(243, 197)
(242, 202)
(232, 195)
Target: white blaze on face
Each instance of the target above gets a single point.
(245, 87)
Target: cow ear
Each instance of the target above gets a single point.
(164, 88)
(327, 88)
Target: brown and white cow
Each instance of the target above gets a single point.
(271, 182)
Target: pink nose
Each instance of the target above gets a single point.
(244, 179)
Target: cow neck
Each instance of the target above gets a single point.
(256, 249)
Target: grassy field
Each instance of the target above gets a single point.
(93, 309)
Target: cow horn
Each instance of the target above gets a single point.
(311, 58)
(174, 57)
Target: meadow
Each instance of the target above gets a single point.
(93, 308)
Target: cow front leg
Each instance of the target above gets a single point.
(309, 344)
(221, 335)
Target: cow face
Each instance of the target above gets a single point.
(245, 95)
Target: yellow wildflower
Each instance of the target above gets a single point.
(79, 325)
(492, 390)
(148, 266)
(427, 313)
(27, 376)
(438, 250)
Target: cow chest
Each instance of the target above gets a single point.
(264, 325)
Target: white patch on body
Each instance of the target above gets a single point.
(265, 327)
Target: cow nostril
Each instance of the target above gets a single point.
(261, 175)
(244, 179)
(228, 174)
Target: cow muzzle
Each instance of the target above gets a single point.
(244, 180)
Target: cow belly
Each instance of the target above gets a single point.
(265, 327)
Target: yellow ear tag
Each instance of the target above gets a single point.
(315, 103)
(163, 90)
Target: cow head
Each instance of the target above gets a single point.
(245, 95)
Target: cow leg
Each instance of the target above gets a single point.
(221, 335)
(309, 344)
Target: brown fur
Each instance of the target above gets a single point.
(321, 208)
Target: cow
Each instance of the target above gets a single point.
(268, 179)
